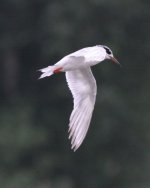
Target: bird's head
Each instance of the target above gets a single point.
(109, 55)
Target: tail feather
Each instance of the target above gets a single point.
(45, 69)
(48, 71)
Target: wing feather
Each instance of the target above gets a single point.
(83, 88)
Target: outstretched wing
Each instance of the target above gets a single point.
(83, 87)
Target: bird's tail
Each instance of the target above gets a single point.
(48, 71)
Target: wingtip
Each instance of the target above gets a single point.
(74, 148)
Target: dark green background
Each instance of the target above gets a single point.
(34, 115)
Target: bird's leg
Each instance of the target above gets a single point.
(58, 70)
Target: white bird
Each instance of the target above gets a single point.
(82, 85)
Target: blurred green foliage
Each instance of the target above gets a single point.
(34, 149)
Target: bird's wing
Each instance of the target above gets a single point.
(83, 87)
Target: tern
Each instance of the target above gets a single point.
(82, 85)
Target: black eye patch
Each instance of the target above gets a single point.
(107, 50)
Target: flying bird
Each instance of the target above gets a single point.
(82, 85)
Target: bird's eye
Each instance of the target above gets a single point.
(108, 51)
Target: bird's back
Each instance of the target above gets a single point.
(92, 55)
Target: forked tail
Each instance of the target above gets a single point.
(48, 71)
